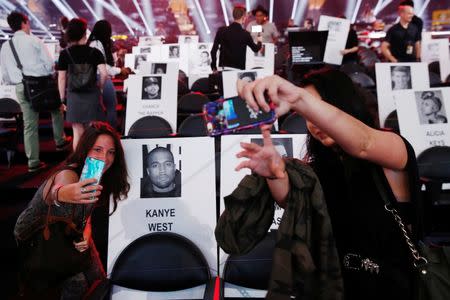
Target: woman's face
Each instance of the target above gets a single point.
(204, 56)
(429, 107)
(104, 149)
(315, 131)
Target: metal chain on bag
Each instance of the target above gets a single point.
(418, 259)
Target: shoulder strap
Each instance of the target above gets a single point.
(419, 261)
(16, 57)
(70, 56)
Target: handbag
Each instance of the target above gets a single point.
(41, 91)
(49, 256)
(81, 77)
(432, 263)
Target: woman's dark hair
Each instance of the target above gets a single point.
(15, 20)
(102, 32)
(76, 29)
(336, 88)
(115, 179)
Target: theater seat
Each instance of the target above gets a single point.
(391, 122)
(434, 171)
(10, 127)
(193, 125)
(158, 264)
(150, 127)
(192, 103)
(249, 274)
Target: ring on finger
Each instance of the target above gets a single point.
(83, 190)
(91, 198)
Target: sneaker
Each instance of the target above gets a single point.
(39, 167)
(64, 146)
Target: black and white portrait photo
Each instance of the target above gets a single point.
(146, 50)
(161, 178)
(430, 107)
(151, 88)
(174, 51)
(204, 59)
(159, 68)
(187, 40)
(282, 145)
(139, 60)
(247, 76)
(401, 77)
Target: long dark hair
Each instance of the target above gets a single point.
(115, 179)
(336, 88)
(102, 32)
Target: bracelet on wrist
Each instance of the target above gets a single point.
(56, 199)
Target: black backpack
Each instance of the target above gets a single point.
(81, 77)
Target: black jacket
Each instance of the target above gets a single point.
(233, 41)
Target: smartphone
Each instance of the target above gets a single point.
(93, 168)
(233, 114)
(257, 28)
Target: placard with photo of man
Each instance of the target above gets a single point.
(151, 88)
(162, 175)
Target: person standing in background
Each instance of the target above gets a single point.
(233, 41)
(269, 32)
(36, 61)
(100, 39)
(402, 41)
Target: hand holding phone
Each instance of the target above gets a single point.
(233, 114)
(93, 168)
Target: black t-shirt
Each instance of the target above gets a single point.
(400, 39)
(80, 54)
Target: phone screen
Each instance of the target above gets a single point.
(93, 168)
(256, 28)
(233, 114)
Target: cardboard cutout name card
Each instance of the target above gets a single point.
(230, 79)
(151, 95)
(307, 47)
(151, 40)
(397, 76)
(423, 117)
(337, 37)
(200, 59)
(436, 50)
(169, 192)
(178, 53)
(262, 59)
(287, 145)
(188, 39)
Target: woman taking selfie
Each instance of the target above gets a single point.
(64, 195)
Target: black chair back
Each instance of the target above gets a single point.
(150, 127)
(192, 103)
(193, 125)
(161, 262)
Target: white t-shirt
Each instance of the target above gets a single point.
(269, 31)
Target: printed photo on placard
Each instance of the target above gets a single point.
(159, 68)
(435, 52)
(192, 214)
(151, 88)
(139, 61)
(229, 79)
(152, 95)
(394, 77)
(401, 78)
(423, 117)
(188, 39)
(261, 52)
(162, 174)
(174, 51)
(282, 145)
(146, 49)
(430, 107)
